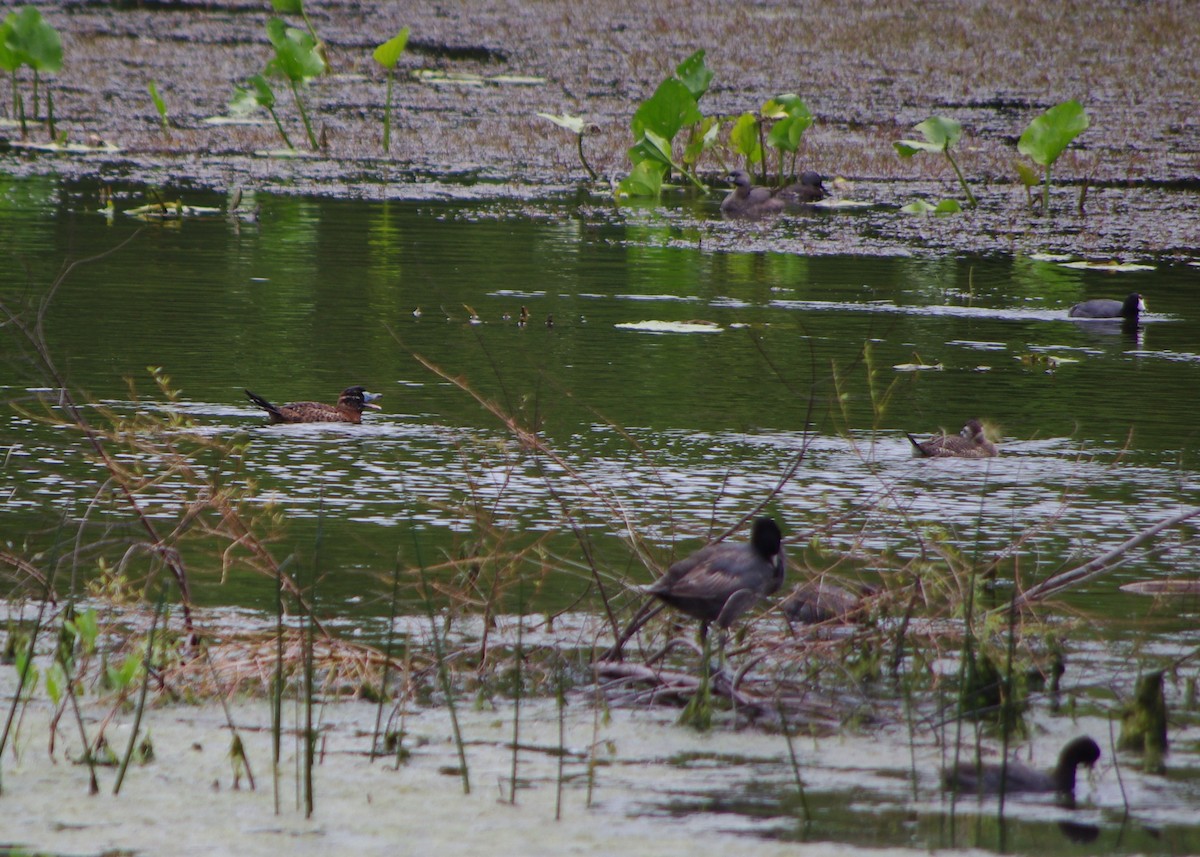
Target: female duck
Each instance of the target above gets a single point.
(748, 201)
(349, 408)
(970, 442)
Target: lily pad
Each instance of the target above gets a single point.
(172, 211)
(233, 120)
(1110, 267)
(66, 148)
(844, 204)
(671, 326)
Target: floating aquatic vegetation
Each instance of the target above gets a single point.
(1110, 267)
(671, 326)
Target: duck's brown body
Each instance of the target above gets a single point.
(970, 442)
(349, 408)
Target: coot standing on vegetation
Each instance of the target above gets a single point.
(718, 583)
(349, 408)
(1128, 309)
(968, 778)
(970, 442)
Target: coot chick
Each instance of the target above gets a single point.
(717, 583)
(969, 779)
(1128, 309)
(808, 190)
(820, 601)
(349, 408)
(748, 201)
(970, 442)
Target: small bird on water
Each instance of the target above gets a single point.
(1128, 309)
(717, 583)
(349, 408)
(970, 442)
(969, 778)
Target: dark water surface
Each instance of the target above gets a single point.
(321, 294)
(675, 434)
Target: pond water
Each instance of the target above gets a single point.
(670, 433)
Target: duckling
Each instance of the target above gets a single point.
(808, 190)
(717, 583)
(349, 408)
(967, 778)
(748, 201)
(1128, 309)
(970, 442)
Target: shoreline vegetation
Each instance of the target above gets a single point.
(103, 620)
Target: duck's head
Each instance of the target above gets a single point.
(359, 399)
(740, 178)
(811, 178)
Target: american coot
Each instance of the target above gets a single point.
(349, 409)
(748, 201)
(1129, 309)
(970, 779)
(718, 583)
(808, 190)
(970, 442)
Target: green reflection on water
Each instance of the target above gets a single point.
(320, 294)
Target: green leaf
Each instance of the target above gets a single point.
(645, 180)
(1049, 134)
(743, 136)
(920, 206)
(575, 124)
(940, 130)
(296, 54)
(159, 104)
(694, 74)
(33, 42)
(670, 108)
(940, 134)
(1026, 175)
(259, 94)
(288, 7)
(9, 61)
(703, 138)
(784, 106)
(389, 53)
(88, 627)
(56, 680)
(651, 147)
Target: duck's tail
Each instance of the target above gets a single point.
(264, 404)
(916, 443)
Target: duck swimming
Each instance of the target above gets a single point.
(748, 201)
(1128, 309)
(717, 583)
(968, 778)
(970, 442)
(808, 190)
(349, 408)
